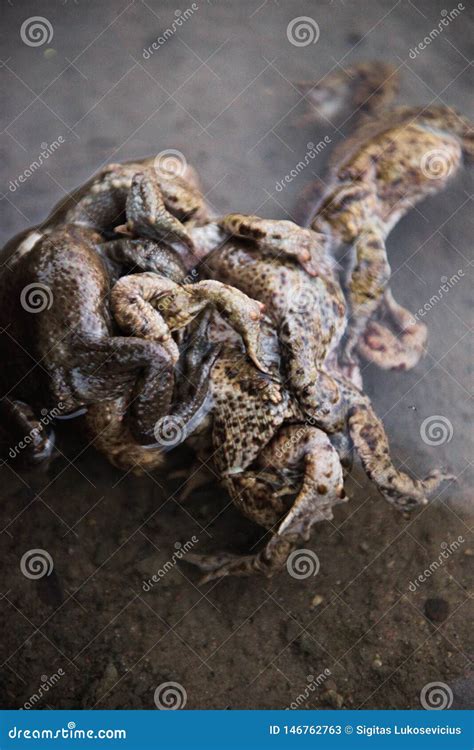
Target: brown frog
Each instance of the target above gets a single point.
(393, 159)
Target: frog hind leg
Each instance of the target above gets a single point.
(367, 279)
(389, 350)
(142, 255)
(295, 446)
(108, 367)
(371, 444)
(109, 424)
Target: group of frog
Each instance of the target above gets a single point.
(159, 323)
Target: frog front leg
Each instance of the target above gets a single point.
(147, 216)
(23, 436)
(283, 239)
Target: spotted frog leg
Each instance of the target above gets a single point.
(301, 448)
(264, 491)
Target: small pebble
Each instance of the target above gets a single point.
(377, 662)
(469, 552)
(436, 609)
(316, 600)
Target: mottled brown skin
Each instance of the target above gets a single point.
(393, 160)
